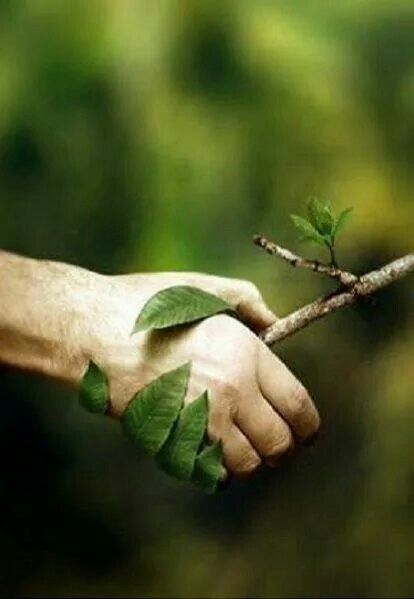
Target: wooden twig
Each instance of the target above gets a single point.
(346, 295)
(344, 277)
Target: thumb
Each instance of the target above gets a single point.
(249, 303)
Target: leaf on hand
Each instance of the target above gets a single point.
(309, 233)
(341, 221)
(208, 468)
(178, 305)
(178, 454)
(93, 390)
(152, 412)
(321, 217)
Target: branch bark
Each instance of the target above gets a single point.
(344, 277)
(352, 289)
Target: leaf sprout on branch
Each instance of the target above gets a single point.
(321, 227)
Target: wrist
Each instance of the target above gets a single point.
(45, 315)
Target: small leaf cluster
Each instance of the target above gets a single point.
(321, 226)
(156, 418)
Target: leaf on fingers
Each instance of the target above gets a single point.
(179, 305)
(93, 390)
(152, 412)
(208, 468)
(178, 454)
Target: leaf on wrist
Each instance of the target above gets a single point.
(93, 390)
(208, 468)
(178, 305)
(178, 454)
(152, 412)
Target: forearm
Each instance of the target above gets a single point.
(55, 317)
(45, 315)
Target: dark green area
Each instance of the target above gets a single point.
(208, 469)
(151, 414)
(159, 424)
(140, 136)
(93, 390)
(179, 452)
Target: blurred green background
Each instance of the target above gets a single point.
(137, 136)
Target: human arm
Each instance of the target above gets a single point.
(55, 317)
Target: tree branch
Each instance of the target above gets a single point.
(344, 277)
(359, 287)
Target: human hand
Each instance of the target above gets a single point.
(257, 407)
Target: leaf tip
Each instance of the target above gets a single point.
(139, 326)
(93, 389)
(186, 367)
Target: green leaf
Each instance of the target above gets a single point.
(93, 390)
(178, 454)
(312, 212)
(309, 233)
(153, 411)
(178, 305)
(342, 221)
(321, 216)
(208, 468)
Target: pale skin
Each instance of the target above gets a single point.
(55, 317)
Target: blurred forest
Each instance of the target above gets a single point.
(140, 136)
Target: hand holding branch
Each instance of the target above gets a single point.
(172, 385)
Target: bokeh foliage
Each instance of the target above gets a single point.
(160, 135)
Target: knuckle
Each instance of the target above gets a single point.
(250, 290)
(304, 413)
(279, 442)
(225, 389)
(246, 464)
(300, 401)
